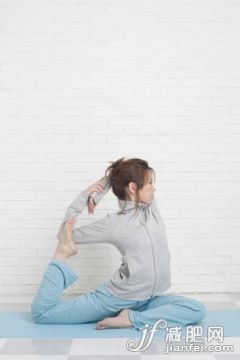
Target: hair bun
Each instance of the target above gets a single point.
(118, 162)
(115, 165)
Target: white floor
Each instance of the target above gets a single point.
(111, 348)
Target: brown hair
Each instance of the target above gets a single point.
(122, 172)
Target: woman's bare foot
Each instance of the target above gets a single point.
(120, 321)
(66, 247)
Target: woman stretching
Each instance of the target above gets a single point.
(136, 293)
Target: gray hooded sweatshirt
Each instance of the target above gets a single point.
(141, 239)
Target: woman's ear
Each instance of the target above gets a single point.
(132, 187)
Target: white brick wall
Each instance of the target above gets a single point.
(85, 82)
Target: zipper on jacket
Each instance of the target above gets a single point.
(155, 276)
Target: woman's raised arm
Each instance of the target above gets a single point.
(97, 197)
(98, 190)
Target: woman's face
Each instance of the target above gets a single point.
(146, 193)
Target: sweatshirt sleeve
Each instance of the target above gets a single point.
(97, 197)
(81, 201)
(74, 209)
(97, 232)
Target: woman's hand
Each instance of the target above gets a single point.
(91, 205)
(96, 187)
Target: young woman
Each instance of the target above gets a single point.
(136, 293)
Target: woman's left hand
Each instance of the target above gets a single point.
(98, 186)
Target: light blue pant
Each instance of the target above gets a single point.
(49, 308)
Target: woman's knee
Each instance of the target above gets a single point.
(39, 314)
(36, 317)
(196, 309)
(36, 314)
(201, 311)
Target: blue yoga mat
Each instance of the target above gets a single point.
(20, 325)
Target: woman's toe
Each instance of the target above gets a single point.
(100, 325)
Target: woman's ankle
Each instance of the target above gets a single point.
(60, 256)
